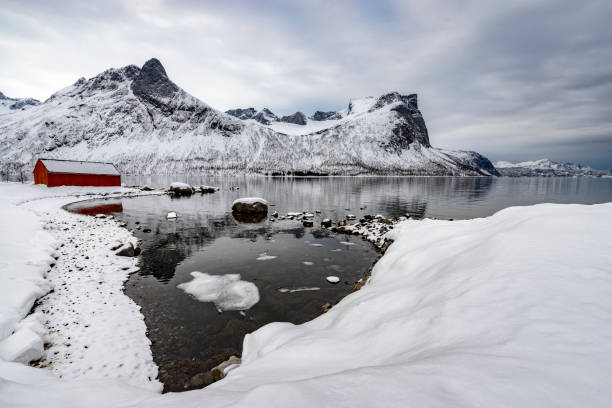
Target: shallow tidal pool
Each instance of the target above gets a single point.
(287, 262)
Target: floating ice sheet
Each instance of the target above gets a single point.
(227, 292)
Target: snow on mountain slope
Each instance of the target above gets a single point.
(546, 167)
(145, 124)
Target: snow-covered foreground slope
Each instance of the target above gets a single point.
(88, 328)
(546, 167)
(144, 123)
(510, 310)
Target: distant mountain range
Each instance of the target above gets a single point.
(547, 168)
(12, 104)
(142, 121)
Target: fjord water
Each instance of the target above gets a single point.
(190, 337)
(437, 197)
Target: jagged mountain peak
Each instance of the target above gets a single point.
(154, 69)
(152, 80)
(298, 118)
(14, 104)
(264, 116)
(393, 97)
(321, 116)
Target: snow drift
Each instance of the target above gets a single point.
(140, 120)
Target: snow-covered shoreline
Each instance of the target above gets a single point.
(87, 326)
(509, 310)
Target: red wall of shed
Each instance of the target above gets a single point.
(67, 179)
(40, 173)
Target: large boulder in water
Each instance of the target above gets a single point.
(178, 188)
(250, 205)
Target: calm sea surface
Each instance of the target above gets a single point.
(190, 337)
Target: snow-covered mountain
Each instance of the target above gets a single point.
(10, 104)
(143, 122)
(547, 168)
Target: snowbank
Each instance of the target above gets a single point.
(93, 330)
(510, 310)
(25, 255)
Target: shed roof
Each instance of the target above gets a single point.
(79, 167)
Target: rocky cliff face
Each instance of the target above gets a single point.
(297, 118)
(140, 120)
(319, 116)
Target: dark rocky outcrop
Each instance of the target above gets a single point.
(409, 100)
(297, 118)
(265, 116)
(331, 115)
(153, 81)
(243, 114)
(21, 103)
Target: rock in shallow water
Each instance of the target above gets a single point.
(178, 188)
(250, 205)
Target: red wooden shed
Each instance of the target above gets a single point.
(54, 172)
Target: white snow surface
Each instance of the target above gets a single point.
(227, 292)
(79, 167)
(505, 311)
(93, 331)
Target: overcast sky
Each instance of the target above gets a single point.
(514, 80)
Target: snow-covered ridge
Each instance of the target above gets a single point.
(546, 167)
(143, 122)
(10, 104)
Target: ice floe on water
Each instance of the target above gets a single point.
(301, 289)
(333, 279)
(227, 292)
(265, 257)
